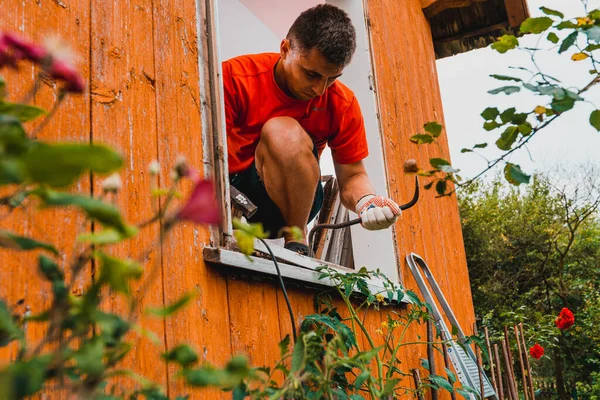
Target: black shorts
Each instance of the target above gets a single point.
(249, 183)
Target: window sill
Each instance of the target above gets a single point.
(292, 266)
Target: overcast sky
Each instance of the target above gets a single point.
(464, 82)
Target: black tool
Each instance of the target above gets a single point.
(317, 228)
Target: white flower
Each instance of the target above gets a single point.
(59, 50)
(112, 184)
(154, 167)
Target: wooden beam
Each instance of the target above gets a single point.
(517, 12)
(433, 7)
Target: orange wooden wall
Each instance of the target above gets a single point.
(140, 60)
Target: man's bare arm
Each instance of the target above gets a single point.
(354, 183)
(357, 194)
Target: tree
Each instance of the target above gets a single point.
(532, 252)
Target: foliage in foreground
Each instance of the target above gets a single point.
(512, 129)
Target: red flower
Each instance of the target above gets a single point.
(64, 71)
(565, 319)
(536, 351)
(201, 207)
(22, 49)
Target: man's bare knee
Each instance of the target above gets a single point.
(284, 135)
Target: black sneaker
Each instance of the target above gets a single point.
(297, 247)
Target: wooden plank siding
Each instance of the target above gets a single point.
(140, 59)
(408, 93)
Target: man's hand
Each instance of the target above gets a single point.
(377, 212)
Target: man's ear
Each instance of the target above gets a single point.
(285, 48)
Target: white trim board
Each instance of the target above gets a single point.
(304, 272)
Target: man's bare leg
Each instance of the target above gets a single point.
(289, 170)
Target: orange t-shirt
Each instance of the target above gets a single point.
(252, 97)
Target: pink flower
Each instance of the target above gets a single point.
(565, 319)
(201, 207)
(23, 49)
(536, 351)
(65, 72)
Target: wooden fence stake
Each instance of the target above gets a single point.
(479, 364)
(491, 358)
(499, 373)
(510, 381)
(431, 356)
(531, 391)
(447, 364)
(523, 375)
(417, 379)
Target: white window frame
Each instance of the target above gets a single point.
(372, 249)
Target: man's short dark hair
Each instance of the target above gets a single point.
(327, 29)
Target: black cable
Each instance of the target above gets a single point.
(287, 299)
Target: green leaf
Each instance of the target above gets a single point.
(490, 125)
(466, 150)
(505, 89)
(552, 37)
(24, 378)
(13, 241)
(428, 186)
(107, 236)
(515, 175)
(566, 25)
(593, 33)
(595, 119)
(441, 382)
(360, 379)
(298, 355)
(525, 129)
(480, 146)
(506, 78)
(50, 269)
(183, 354)
(117, 273)
(173, 307)
(421, 139)
(508, 138)
(505, 43)
(568, 42)
(536, 25)
(61, 164)
(22, 112)
(112, 326)
(437, 162)
(449, 169)
(425, 363)
(284, 346)
(508, 114)
(549, 11)
(490, 113)
(451, 376)
(440, 187)
(343, 330)
(563, 105)
(89, 357)
(13, 139)
(434, 128)
(8, 330)
(105, 213)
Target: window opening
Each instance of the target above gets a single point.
(252, 26)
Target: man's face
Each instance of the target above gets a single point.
(307, 74)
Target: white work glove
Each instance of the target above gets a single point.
(377, 212)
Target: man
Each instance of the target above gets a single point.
(282, 110)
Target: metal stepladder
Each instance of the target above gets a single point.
(462, 357)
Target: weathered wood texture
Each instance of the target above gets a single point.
(141, 62)
(409, 96)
